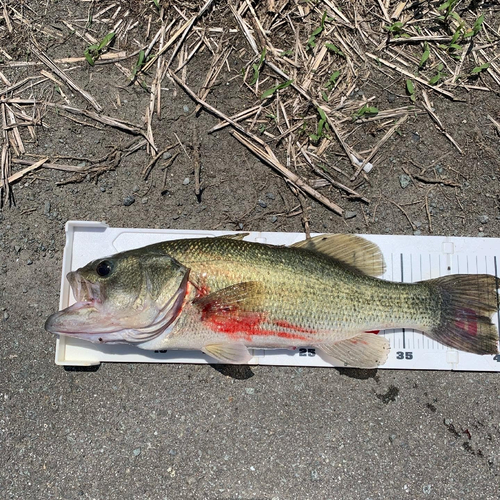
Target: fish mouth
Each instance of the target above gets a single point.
(83, 290)
(89, 318)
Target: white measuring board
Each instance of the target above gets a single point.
(408, 259)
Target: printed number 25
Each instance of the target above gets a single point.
(404, 355)
(307, 352)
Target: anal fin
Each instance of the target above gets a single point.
(227, 352)
(366, 350)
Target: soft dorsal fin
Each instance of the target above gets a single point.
(354, 251)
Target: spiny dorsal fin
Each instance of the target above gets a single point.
(352, 250)
(237, 236)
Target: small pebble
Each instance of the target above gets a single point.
(439, 169)
(185, 108)
(404, 180)
(144, 200)
(186, 181)
(427, 489)
(415, 137)
(128, 201)
(392, 438)
(82, 164)
(25, 290)
(46, 209)
(391, 98)
(172, 452)
(262, 203)
(240, 225)
(5, 315)
(483, 219)
(135, 189)
(270, 196)
(29, 262)
(448, 421)
(314, 475)
(350, 214)
(417, 232)
(17, 248)
(417, 224)
(103, 189)
(250, 390)
(137, 452)
(273, 219)
(167, 155)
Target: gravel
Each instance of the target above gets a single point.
(404, 180)
(129, 200)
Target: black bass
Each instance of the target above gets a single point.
(225, 295)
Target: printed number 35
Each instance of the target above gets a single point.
(404, 355)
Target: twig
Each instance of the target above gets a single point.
(183, 30)
(24, 171)
(236, 118)
(406, 215)
(382, 141)
(196, 163)
(497, 125)
(147, 169)
(428, 211)
(434, 116)
(330, 179)
(69, 82)
(411, 75)
(266, 155)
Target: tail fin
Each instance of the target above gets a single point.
(467, 303)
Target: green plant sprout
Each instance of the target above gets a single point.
(395, 28)
(479, 69)
(312, 39)
(256, 67)
(425, 55)
(435, 79)
(448, 7)
(332, 80)
(476, 28)
(139, 64)
(93, 52)
(410, 88)
(335, 49)
(322, 125)
(365, 111)
(272, 90)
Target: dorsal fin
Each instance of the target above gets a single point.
(349, 249)
(236, 236)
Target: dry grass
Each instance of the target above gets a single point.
(303, 62)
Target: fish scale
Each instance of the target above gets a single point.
(309, 290)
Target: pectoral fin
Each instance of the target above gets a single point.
(233, 353)
(366, 350)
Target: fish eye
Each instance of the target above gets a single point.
(104, 268)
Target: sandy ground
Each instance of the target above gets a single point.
(170, 432)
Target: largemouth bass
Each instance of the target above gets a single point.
(224, 295)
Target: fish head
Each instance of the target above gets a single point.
(130, 297)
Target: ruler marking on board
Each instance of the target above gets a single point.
(402, 281)
(498, 298)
